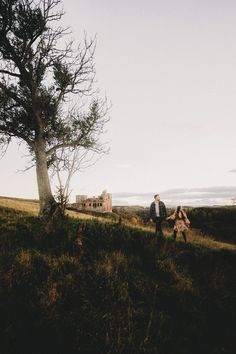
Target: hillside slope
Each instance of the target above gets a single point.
(32, 207)
(89, 287)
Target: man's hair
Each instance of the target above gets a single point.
(156, 196)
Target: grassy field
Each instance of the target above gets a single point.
(82, 286)
(32, 207)
(194, 236)
(213, 227)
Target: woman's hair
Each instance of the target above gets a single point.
(178, 209)
(177, 212)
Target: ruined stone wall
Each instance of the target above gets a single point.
(101, 204)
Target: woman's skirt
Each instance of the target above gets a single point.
(180, 226)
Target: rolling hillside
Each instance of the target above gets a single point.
(82, 286)
(195, 236)
(31, 207)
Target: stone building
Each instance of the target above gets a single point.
(102, 203)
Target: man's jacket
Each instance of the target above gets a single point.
(162, 210)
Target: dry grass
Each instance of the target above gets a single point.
(197, 238)
(78, 215)
(193, 236)
(32, 207)
(26, 205)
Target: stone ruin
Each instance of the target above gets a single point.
(102, 203)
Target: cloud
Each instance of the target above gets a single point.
(220, 195)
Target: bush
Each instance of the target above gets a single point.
(219, 222)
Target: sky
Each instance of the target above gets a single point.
(168, 69)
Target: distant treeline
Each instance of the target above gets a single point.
(219, 222)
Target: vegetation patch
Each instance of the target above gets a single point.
(85, 286)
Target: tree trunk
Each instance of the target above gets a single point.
(47, 202)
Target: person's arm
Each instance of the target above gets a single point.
(186, 220)
(165, 210)
(172, 217)
(151, 211)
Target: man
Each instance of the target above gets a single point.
(158, 213)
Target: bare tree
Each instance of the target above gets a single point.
(69, 161)
(38, 79)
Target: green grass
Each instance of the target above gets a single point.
(85, 286)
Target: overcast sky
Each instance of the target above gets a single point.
(169, 69)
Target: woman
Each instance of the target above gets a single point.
(182, 222)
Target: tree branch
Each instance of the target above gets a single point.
(9, 73)
(12, 95)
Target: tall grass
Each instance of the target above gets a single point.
(85, 286)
